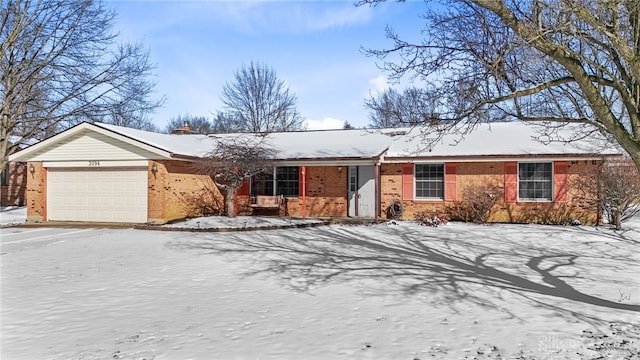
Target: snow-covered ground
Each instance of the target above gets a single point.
(239, 222)
(387, 291)
(12, 215)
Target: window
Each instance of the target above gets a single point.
(284, 183)
(262, 184)
(429, 181)
(4, 178)
(287, 181)
(535, 181)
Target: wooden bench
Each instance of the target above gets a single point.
(266, 202)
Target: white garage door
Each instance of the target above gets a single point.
(97, 195)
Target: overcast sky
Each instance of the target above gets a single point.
(315, 46)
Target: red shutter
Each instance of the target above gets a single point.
(560, 174)
(450, 182)
(244, 188)
(407, 181)
(511, 182)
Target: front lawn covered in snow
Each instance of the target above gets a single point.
(395, 290)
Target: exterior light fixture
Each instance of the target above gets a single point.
(154, 169)
(339, 169)
(32, 169)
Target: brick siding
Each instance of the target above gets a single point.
(577, 206)
(35, 196)
(326, 194)
(177, 192)
(13, 193)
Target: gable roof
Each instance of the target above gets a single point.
(177, 145)
(514, 139)
(75, 131)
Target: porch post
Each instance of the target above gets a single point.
(303, 171)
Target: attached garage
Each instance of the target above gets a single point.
(97, 195)
(98, 173)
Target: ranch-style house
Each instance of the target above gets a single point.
(95, 172)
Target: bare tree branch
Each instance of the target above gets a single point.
(234, 159)
(566, 61)
(260, 102)
(60, 64)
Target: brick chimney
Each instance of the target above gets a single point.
(184, 130)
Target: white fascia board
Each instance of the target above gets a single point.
(24, 155)
(541, 158)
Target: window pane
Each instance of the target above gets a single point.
(535, 181)
(287, 181)
(429, 181)
(262, 184)
(3, 176)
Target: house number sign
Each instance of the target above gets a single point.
(94, 163)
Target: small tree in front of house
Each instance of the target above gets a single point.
(233, 160)
(612, 188)
(620, 191)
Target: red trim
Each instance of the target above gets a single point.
(450, 181)
(407, 181)
(511, 182)
(560, 175)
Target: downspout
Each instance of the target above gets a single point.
(303, 171)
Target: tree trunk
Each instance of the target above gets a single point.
(231, 202)
(617, 220)
(635, 156)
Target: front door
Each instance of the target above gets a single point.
(362, 191)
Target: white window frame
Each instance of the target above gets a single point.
(415, 182)
(551, 182)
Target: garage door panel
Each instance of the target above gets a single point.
(100, 195)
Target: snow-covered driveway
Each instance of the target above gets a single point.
(338, 292)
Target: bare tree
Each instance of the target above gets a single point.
(60, 64)
(570, 61)
(234, 159)
(619, 183)
(197, 124)
(260, 102)
(225, 123)
(391, 109)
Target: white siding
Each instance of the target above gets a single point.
(92, 146)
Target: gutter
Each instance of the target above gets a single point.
(497, 158)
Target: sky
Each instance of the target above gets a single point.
(314, 46)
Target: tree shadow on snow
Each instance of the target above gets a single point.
(444, 266)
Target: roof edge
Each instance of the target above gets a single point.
(500, 158)
(24, 154)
